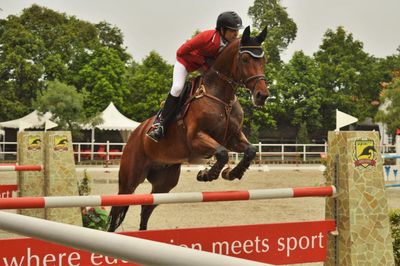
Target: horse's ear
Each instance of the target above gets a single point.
(261, 37)
(246, 34)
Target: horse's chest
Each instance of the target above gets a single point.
(221, 121)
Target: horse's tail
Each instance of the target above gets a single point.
(116, 217)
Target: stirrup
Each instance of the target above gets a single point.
(156, 132)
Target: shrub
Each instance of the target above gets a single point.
(92, 217)
(95, 218)
(394, 216)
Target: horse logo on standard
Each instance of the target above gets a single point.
(60, 143)
(365, 153)
(34, 143)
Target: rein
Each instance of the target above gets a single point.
(201, 92)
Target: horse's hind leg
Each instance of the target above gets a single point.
(249, 153)
(162, 180)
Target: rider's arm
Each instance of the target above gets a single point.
(196, 42)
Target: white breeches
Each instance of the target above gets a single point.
(178, 79)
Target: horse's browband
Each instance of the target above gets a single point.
(243, 49)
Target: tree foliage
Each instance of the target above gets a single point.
(64, 102)
(19, 73)
(390, 112)
(298, 94)
(103, 80)
(148, 83)
(281, 28)
(44, 45)
(349, 78)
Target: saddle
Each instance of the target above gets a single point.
(188, 95)
(195, 89)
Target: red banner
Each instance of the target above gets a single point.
(283, 243)
(8, 191)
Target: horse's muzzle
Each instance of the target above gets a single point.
(260, 98)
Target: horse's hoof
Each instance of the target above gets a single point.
(225, 173)
(203, 175)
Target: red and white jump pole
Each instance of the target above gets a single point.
(13, 167)
(163, 198)
(128, 248)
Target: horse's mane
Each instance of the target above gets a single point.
(227, 55)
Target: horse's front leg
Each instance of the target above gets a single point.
(240, 145)
(204, 144)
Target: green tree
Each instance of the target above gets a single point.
(388, 66)
(281, 28)
(255, 118)
(302, 134)
(390, 113)
(19, 74)
(42, 44)
(64, 102)
(112, 37)
(298, 93)
(148, 85)
(103, 78)
(349, 77)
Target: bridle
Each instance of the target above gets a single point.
(243, 83)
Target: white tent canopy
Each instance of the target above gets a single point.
(114, 120)
(32, 120)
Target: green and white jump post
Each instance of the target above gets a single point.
(355, 167)
(53, 150)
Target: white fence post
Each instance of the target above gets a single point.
(108, 150)
(397, 148)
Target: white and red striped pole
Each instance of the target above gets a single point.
(128, 248)
(14, 167)
(163, 198)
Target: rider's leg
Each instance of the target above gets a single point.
(171, 103)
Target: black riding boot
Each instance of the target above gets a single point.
(160, 123)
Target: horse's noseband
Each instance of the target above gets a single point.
(257, 78)
(246, 49)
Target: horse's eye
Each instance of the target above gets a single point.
(245, 59)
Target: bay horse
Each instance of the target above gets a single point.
(211, 126)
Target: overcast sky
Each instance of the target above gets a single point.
(164, 25)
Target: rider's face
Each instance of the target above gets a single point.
(230, 35)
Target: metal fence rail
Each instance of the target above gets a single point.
(106, 151)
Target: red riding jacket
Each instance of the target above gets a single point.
(193, 53)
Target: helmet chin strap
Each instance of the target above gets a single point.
(222, 31)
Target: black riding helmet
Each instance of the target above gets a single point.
(229, 20)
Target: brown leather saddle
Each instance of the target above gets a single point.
(188, 94)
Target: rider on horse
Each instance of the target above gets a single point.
(197, 53)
